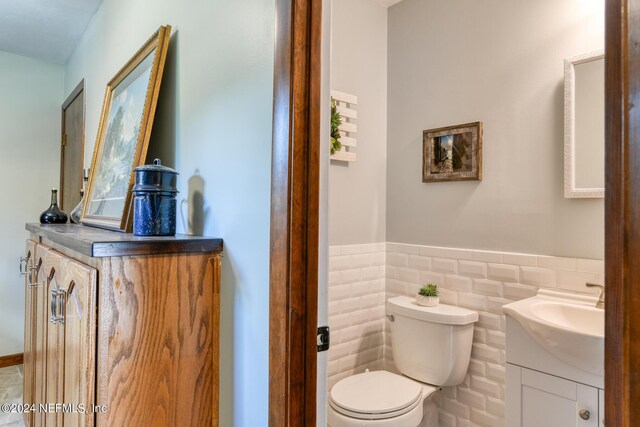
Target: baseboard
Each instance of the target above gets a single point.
(10, 360)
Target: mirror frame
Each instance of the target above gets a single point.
(570, 190)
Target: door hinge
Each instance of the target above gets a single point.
(64, 140)
(323, 338)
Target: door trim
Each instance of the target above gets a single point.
(622, 213)
(72, 96)
(11, 360)
(295, 214)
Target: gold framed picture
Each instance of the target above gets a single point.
(123, 135)
(452, 153)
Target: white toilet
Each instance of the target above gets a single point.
(431, 348)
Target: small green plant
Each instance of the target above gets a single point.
(336, 121)
(429, 290)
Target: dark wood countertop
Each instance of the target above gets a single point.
(95, 242)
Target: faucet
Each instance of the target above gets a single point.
(600, 303)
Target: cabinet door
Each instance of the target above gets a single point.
(40, 328)
(78, 333)
(29, 332)
(54, 266)
(536, 399)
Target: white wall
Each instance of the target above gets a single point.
(357, 195)
(214, 116)
(500, 63)
(31, 93)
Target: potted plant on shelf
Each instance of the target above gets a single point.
(428, 295)
(336, 121)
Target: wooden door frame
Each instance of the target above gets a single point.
(295, 214)
(72, 96)
(622, 213)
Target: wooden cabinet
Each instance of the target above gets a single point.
(121, 330)
(536, 399)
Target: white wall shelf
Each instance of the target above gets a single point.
(346, 105)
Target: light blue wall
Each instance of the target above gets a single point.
(501, 63)
(358, 190)
(214, 116)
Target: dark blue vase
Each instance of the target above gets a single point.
(154, 204)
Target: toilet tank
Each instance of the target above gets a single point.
(431, 344)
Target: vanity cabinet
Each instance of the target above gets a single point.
(120, 330)
(537, 399)
(542, 390)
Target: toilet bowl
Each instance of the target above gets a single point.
(381, 399)
(431, 348)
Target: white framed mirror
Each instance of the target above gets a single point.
(584, 126)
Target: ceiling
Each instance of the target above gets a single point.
(44, 29)
(50, 29)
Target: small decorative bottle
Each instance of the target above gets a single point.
(76, 213)
(53, 215)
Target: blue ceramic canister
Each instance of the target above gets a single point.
(154, 204)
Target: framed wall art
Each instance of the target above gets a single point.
(452, 153)
(123, 135)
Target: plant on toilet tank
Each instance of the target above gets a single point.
(428, 295)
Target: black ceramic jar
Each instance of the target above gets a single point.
(154, 204)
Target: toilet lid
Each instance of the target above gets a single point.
(442, 313)
(375, 393)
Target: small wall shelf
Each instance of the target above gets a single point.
(346, 105)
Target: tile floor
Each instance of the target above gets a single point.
(11, 392)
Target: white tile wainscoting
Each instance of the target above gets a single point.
(356, 309)
(363, 276)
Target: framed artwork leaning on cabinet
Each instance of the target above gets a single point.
(123, 135)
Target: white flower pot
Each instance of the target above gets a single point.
(427, 301)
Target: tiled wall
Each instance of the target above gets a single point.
(356, 309)
(482, 281)
(362, 277)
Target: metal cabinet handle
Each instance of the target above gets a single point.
(584, 414)
(34, 270)
(23, 266)
(61, 294)
(54, 306)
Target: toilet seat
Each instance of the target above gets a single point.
(376, 395)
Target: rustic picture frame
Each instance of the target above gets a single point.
(452, 153)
